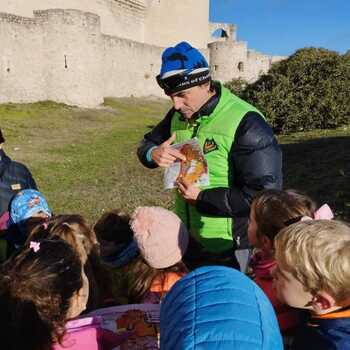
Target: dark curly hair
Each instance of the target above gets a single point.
(114, 226)
(36, 288)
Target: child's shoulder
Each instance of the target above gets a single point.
(330, 331)
(164, 286)
(262, 265)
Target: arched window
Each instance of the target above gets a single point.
(241, 66)
(219, 33)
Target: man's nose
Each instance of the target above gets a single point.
(177, 102)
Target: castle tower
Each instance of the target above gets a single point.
(228, 59)
(229, 31)
(80, 51)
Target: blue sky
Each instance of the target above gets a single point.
(279, 27)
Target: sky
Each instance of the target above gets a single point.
(280, 27)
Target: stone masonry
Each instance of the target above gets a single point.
(79, 52)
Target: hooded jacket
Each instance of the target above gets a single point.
(14, 177)
(217, 308)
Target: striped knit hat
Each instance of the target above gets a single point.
(183, 67)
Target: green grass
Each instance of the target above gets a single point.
(84, 160)
(318, 162)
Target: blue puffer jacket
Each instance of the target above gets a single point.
(217, 308)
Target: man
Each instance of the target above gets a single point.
(13, 178)
(242, 154)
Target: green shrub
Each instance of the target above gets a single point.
(309, 90)
(237, 86)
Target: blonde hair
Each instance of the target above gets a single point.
(317, 254)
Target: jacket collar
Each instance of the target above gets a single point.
(337, 321)
(210, 105)
(341, 313)
(4, 160)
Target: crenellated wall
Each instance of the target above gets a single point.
(54, 56)
(22, 60)
(79, 57)
(123, 18)
(231, 59)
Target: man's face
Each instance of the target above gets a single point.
(191, 100)
(290, 291)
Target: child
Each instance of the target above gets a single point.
(115, 236)
(313, 273)
(75, 230)
(216, 307)
(25, 205)
(162, 239)
(27, 209)
(271, 211)
(40, 288)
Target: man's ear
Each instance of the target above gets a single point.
(322, 301)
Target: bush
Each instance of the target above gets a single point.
(237, 86)
(309, 90)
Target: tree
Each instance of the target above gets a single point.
(309, 90)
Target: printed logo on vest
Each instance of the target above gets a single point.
(209, 146)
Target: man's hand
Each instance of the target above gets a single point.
(188, 191)
(164, 155)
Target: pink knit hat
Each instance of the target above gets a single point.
(161, 236)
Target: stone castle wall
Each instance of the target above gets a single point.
(54, 56)
(123, 18)
(170, 21)
(230, 58)
(68, 55)
(155, 22)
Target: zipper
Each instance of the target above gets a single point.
(195, 125)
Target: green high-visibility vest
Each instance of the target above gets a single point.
(215, 134)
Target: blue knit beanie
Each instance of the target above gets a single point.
(27, 203)
(183, 66)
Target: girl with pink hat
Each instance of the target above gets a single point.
(162, 239)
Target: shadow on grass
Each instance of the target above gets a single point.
(321, 168)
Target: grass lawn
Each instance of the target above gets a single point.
(84, 160)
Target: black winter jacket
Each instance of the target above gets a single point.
(324, 334)
(14, 177)
(255, 160)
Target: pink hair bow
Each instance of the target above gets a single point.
(323, 213)
(34, 245)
